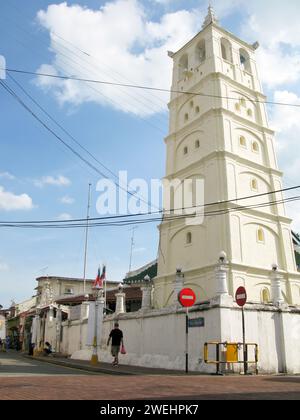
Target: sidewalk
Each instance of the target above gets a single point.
(107, 368)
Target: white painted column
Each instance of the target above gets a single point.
(146, 288)
(58, 329)
(84, 314)
(276, 279)
(222, 297)
(221, 276)
(179, 284)
(120, 301)
(278, 301)
(51, 313)
(34, 327)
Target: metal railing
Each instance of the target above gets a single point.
(231, 351)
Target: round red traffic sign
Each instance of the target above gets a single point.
(241, 296)
(187, 297)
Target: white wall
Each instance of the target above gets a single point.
(157, 338)
(2, 327)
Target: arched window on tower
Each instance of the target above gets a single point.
(237, 107)
(226, 50)
(245, 60)
(243, 102)
(254, 184)
(260, 235)
(200, 53)
(265, 296)
(255, 147)
(183, 66)
(243, 142)
(188, 238)
(250, 113)
(197, 144)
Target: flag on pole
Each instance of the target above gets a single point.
(103, 275)
(99, 281)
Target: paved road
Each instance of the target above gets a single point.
(22, 379)
(12, 364)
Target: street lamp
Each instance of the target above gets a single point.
(97, 293)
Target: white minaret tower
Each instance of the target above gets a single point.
(219, 133)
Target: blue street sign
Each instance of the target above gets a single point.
(196, 322)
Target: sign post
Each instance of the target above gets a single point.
(186, 340)
(187, 299)
(241, 299)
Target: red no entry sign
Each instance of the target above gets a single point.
(187, 297)
(241, 296)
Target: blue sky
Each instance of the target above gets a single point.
(126, 41)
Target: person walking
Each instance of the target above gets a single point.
(116, 337)
(7, 342)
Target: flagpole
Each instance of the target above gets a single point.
(86, 239)
(105, 290)
(131, 247)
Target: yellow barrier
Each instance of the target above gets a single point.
(232, 354)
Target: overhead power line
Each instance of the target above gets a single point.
(213, 203)
(60, 139)
(103, 82)
(149, 220)
(117, 219)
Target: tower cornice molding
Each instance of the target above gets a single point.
(260, 128)
(219, 112)
(256, 94)
(223, 154)
(260, 215)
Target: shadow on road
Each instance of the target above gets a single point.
(13, 364)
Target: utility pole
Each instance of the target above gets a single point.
(86, 238)
(132, 246)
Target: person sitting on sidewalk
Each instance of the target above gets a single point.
(117, 339)
(47, 349)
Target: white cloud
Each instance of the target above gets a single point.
(276, 27)
(67, 200)
(286, 117)
(3, 266)
(274, 21)
(124, 47)
(286, 121)
(59, 181)
(64, 216)
(277, 67)
(7, 175)
(10, 201)
(136, 51)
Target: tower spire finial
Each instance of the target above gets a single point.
(210, 18)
